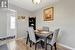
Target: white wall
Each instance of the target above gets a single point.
(21, 25)
(64, 17)
(3, 23)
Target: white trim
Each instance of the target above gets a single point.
(12, 10)
(66, 46)
(6, 9)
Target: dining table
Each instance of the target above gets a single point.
(43, 35)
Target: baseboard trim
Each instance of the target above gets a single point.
(66, 46)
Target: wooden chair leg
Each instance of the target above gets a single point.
(55, 46)
(46, 44)
(51, 47)
(30, 44)
(42, 44)
(27, 39)
(46, 47)
(35, 46)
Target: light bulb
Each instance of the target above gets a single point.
(5, 4)
(36, 1)
(2, 4)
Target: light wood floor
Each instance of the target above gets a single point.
(20, 45)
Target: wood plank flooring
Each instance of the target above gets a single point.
(20, 45)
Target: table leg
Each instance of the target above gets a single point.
(46, 44)
(42, 44)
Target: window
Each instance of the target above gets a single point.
(12, 22)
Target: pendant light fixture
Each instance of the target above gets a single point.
(36, 1)
(4, 4)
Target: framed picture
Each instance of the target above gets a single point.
(21, 17)
(48, 14)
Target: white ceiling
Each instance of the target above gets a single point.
(28, 5)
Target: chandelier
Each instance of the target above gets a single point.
(36, 1)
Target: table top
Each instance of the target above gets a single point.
(43, 33)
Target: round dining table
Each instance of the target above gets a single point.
(43, 34)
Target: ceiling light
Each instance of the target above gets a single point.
(36, 1)
(4, 4)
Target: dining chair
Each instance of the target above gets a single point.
(32, 37)
(52, 41)
(45, 28)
